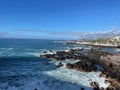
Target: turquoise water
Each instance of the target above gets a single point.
(21, 67)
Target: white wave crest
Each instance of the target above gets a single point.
(81, 78)
(6, 48)
(36, 54)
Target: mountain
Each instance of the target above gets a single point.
(99, 35)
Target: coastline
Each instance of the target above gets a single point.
(91, 44)
(92, 58)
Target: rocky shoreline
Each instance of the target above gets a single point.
(90, 62)
(94, 45)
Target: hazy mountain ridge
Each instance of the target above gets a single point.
(100, 35)
(105, 41)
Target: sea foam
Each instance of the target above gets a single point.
(73, 76)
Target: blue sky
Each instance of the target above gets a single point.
(57, 19)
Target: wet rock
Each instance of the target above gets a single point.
(110, 87)
(60, 65)
(102, 74)
(107, 81)
(54, 59)
(102, 88)
(88, 62)
(94, 85)
(114, 83)
(45, 52)
(69, 66)
(50, 51)
(82, 89)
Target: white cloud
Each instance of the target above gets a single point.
(36, 33)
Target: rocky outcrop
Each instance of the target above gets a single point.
(60, 65)
(82, 89)
(103, 74)
(84, 65)
(114, 84)
(94, 85)
(62, 55)
(88, 63)
(69, 66)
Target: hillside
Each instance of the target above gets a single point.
(104, 41)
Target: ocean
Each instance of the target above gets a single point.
(22, 68)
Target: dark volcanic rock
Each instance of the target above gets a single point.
(88, 62)
(82, 89)
(94, 85)
(84, 65)
(102, 88)
(103, 74)
(69, 66)
(60, 65)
